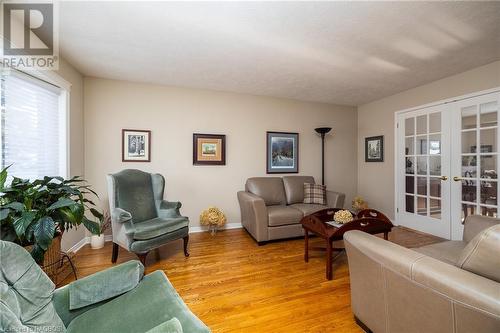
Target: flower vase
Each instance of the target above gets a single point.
(213, 229)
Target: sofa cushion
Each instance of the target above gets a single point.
(474, 224)
(307, 209)
(158, 226)
(270, 189)
(482, 254)
(283, 215)
(105, 284)
(153, 302)
(294, 188)
(448, 251)
(314, 194)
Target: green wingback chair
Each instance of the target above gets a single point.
(118, 299)
(140, 219)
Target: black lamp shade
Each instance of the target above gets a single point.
(323, 130)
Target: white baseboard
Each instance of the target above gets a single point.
(81, 243)
(108, 238)
(228, 226)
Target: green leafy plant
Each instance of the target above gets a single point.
(34, 212)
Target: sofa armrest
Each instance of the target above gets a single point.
(474, 224)
(105, 284)
(385, 275)
(168, 209)
(60, 300)
(335, 199)
(254, 215)
(120, 215)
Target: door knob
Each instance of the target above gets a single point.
(444, 177)
(457, 178)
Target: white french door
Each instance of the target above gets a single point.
(424, 168)
(442, 175)
(474, 181)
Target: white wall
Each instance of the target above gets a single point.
(376, 180)
(76, 142)
(174, 114)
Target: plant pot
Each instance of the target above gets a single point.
(97, 242)
(51, 258)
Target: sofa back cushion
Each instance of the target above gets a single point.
(474, 224)
(294, 188)
(270, 189)
(482, 254)
(134, 194)
(25, 293)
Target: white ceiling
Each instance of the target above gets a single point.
(337, 52)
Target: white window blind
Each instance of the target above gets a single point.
(33, 127)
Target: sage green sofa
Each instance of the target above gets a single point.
(118, 299)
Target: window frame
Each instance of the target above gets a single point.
(64, 102)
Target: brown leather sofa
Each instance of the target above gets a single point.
(445, 287)
(272, 207)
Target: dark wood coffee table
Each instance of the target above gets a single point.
(368, 220)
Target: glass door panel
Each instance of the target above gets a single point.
(475, 160)
(424, 171)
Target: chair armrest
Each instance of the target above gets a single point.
(474, 224)
(168, 209)
(119, 215)
(105, 284)
(254, 215)
(335, 199)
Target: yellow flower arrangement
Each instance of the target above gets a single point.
(212, 216)
(358, 204)
(343, 216)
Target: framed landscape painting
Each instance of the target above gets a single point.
(374, 149)
(282, 152)
(209, 149)
(136, 145)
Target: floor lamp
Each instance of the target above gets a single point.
(322, 131)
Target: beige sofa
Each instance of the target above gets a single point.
(272, 207)
(446, 287)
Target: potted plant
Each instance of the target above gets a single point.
(97, 241)
(34, 213)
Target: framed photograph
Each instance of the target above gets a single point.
(209, 149)
(282, 152)
(136, 145)
(374, 149)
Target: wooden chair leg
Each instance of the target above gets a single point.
(114, 256)
(186, 240)
(142, 257)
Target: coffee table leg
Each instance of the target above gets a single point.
(329, 260)
(306, 245)
(386, 235)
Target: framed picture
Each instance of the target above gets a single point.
(136, 145)
(282, 152)
(374, 149)
(209, 149)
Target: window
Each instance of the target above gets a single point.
(33, 127)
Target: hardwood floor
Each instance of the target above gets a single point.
(234, 285)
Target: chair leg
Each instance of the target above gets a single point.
(142, 257)
(186, 240)
(114, 256)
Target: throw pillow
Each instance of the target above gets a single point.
(314, 194)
